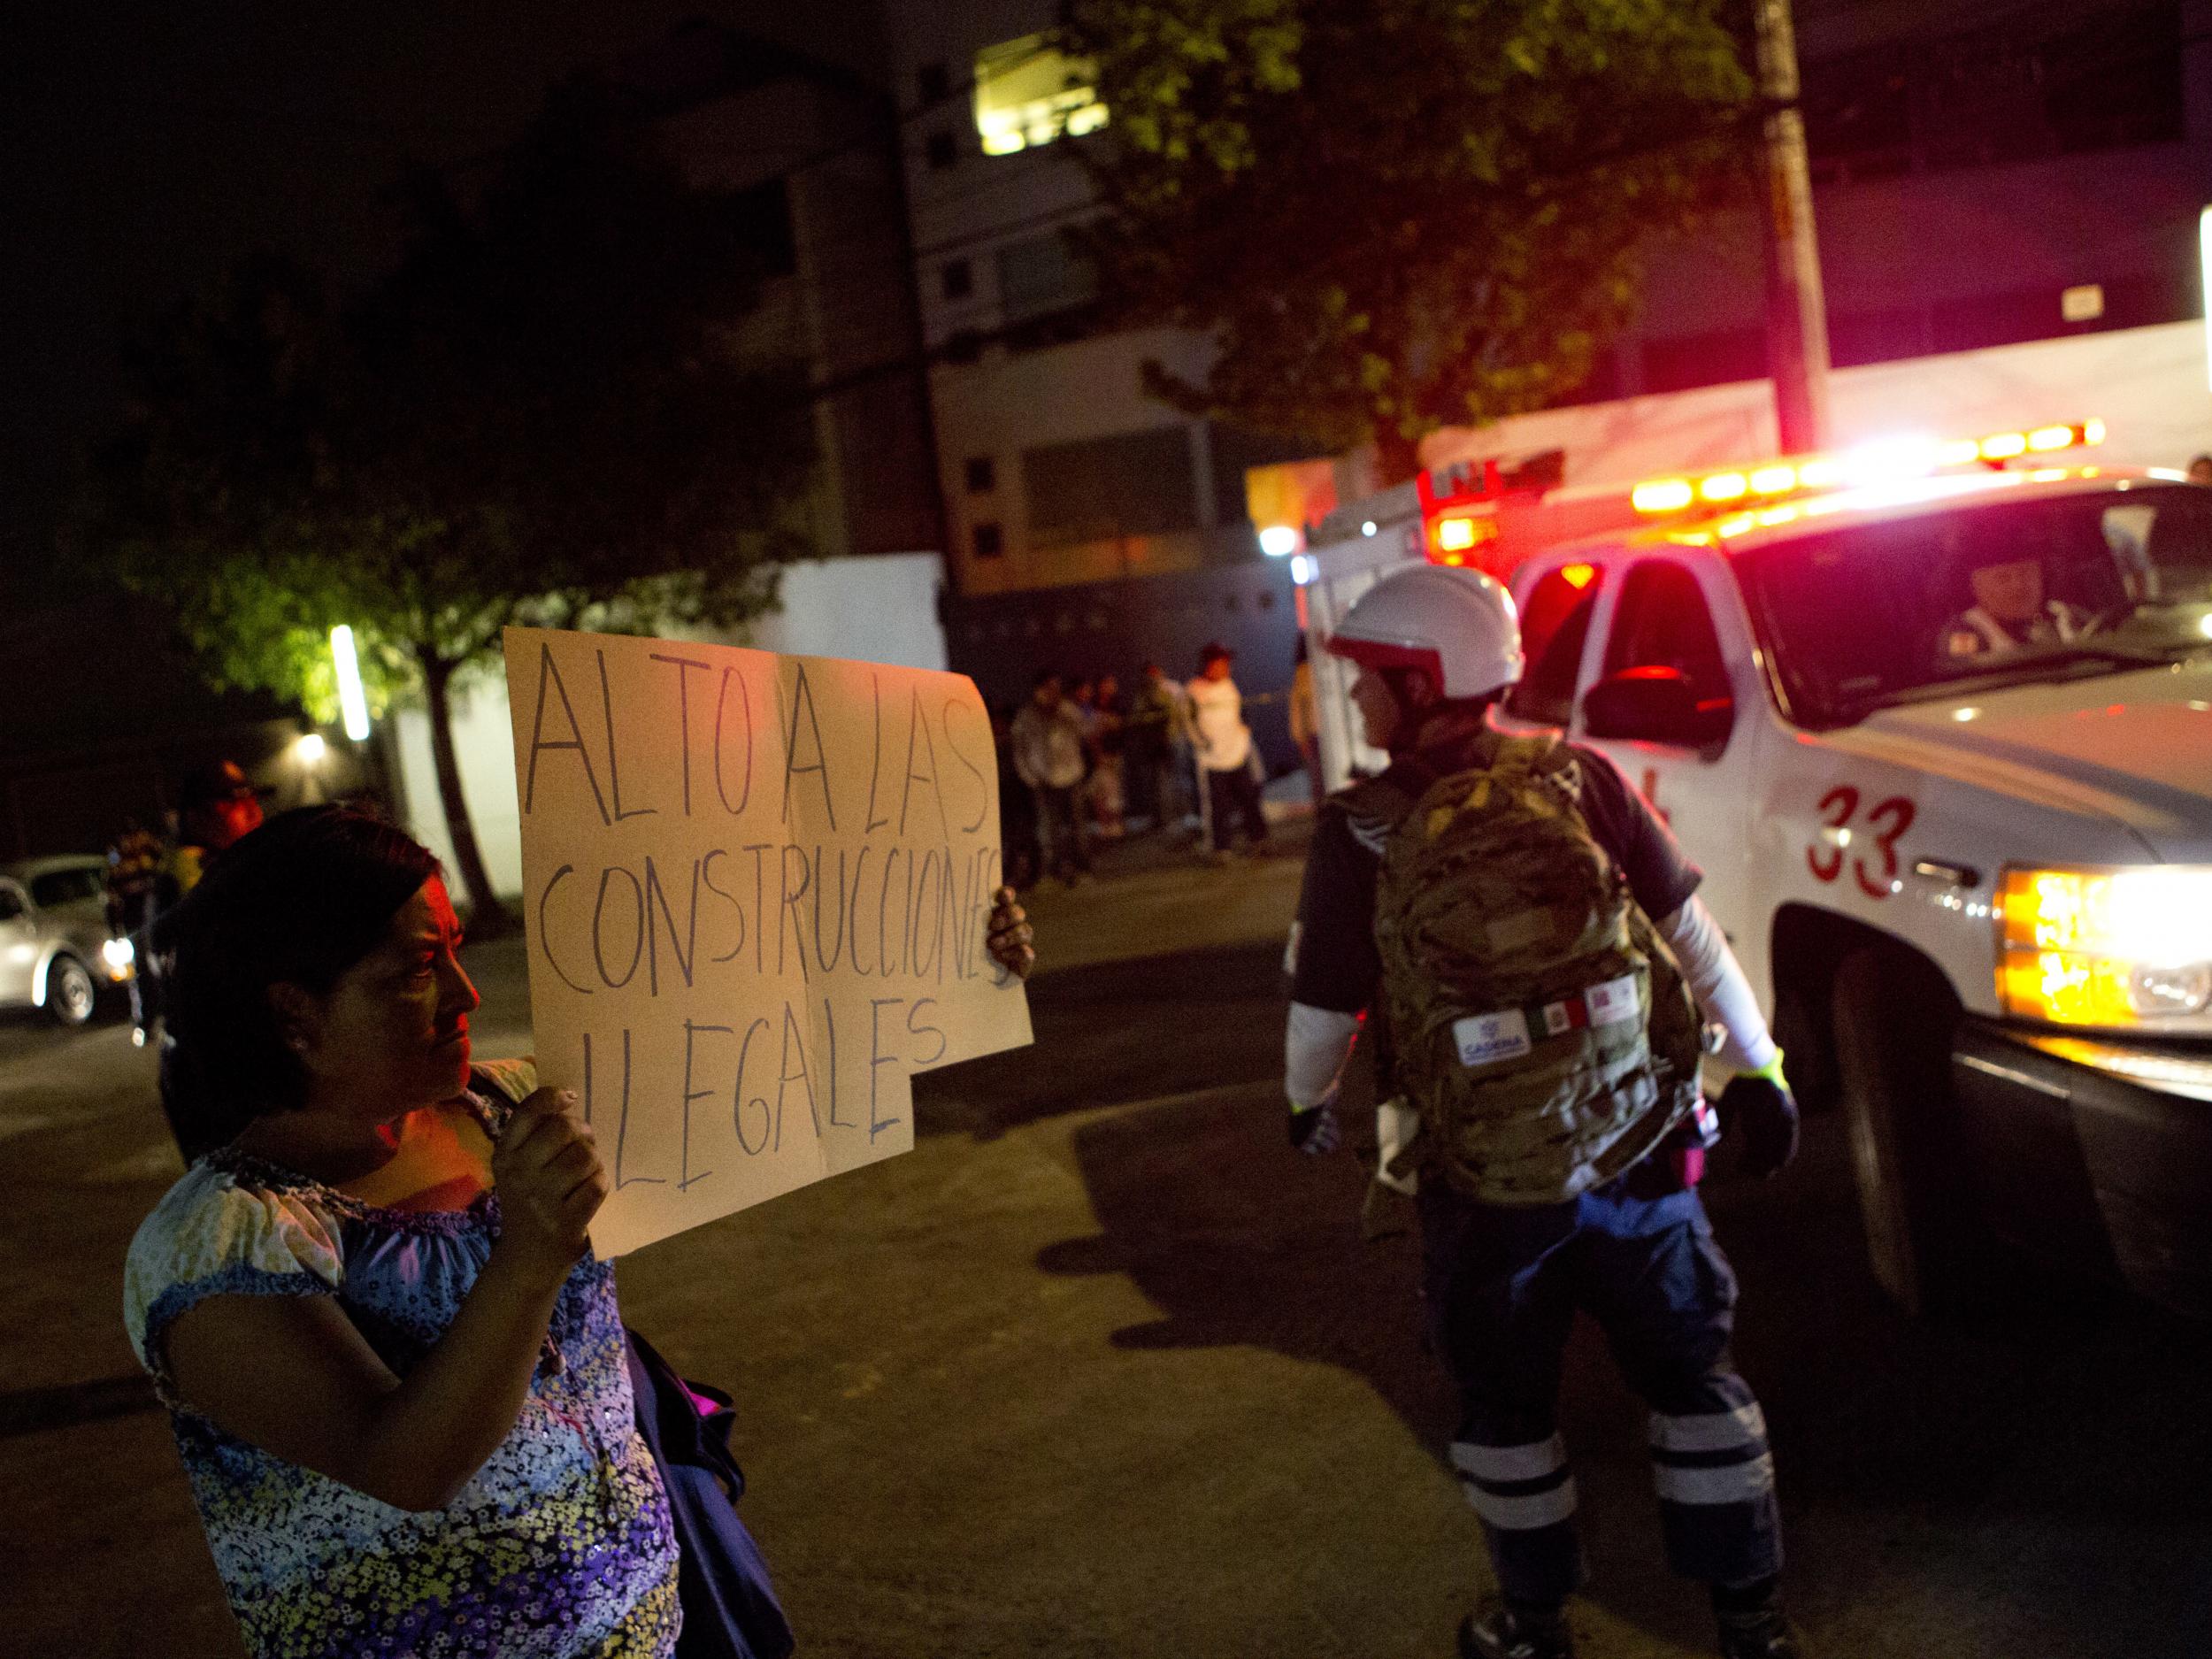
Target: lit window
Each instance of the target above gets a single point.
(1026, 94)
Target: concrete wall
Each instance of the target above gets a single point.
(1000, 641)
(882, 609)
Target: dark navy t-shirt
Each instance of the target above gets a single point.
(1338, 967)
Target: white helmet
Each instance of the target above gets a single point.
(1458, 624)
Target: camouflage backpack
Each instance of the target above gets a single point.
(1538, 1020)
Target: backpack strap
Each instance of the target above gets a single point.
(1375, 807)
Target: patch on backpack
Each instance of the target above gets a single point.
(1614, 1001)
(1487, 1038)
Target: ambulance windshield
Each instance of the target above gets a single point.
(2053, 587)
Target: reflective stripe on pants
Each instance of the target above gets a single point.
(1518, 1488)
(1503, 1286)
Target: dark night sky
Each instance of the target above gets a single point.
(145, 148)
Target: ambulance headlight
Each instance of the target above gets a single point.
(2118, 948)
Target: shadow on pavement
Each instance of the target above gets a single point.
(32, 1031)
(36, 1410)
(2023, 1451)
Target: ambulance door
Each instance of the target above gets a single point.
(1690, 750)
(1559, 610)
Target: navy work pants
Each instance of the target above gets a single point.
(1503, 1287)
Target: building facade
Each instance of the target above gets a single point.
(1985, 173)
(1057, 465)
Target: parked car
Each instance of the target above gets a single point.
(55, 947)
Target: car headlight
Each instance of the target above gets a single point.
(120, 955)
(2118, 948)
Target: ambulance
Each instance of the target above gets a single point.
(1935, 719)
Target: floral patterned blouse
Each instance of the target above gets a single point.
(559, 1548)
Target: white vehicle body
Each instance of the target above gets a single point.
(55, 947)
(1883, 836)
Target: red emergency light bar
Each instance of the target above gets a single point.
(1875, 464)
(1459, 503)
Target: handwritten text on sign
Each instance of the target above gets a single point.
(755, 888)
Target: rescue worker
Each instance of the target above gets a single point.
(2009, 613)
(1475, 900)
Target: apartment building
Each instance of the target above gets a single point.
(1057, 468)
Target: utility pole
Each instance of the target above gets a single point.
(1797, 313)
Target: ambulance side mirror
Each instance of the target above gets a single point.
(1656, 705)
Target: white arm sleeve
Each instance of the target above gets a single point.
(1316, 1043)
(1716, 981)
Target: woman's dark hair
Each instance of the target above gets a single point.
(299, 901)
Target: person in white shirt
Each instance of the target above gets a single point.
(1160, 750)
(1224, 746)
(1048, 755)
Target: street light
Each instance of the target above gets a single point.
(309, 751)
(353, 701)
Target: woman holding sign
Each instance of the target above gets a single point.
(396, 1374)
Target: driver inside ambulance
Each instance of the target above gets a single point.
(2009, 613)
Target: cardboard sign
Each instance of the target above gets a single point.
(755, 890)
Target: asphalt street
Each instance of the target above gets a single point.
(1102, 1368)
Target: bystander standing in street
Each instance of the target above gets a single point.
(218, 806)
(1109, 740)
(134, 882)
(397, 1376)
(1048, 757)
(1019, 854)
(393, 1411)
(1305, 723)
(1159, 750)
(1224, 746)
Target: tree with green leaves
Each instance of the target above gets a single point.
(544, 415)
(1390, 215)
